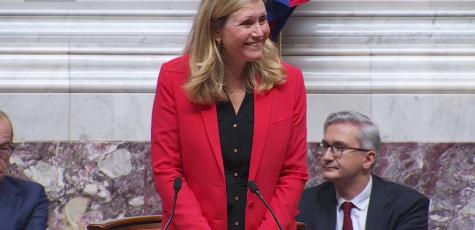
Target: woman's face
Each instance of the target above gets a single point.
(244, 33)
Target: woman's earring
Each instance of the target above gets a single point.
(218, 42)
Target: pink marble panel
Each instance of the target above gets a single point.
(89, 182)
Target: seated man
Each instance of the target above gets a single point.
(351, 197)
(23, 204)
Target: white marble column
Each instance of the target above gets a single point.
(68, 66)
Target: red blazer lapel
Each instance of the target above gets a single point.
(262, 114)
(210, 121)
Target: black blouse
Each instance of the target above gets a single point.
(235, 133)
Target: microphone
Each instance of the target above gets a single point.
(254, 189)
(176, 188)
(177, 184)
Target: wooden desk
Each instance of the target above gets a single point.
(141, 223)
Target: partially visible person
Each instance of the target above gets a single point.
(23, 204)
(352, 198)
(227, 112)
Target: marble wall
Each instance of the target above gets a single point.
(88, 182)
(78, 78)
(86, 70)
(126, 116)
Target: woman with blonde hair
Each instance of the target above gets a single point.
(227, 112)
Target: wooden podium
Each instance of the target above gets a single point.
(142, 223)
(129, 223)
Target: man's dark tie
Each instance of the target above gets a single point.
(347, 224)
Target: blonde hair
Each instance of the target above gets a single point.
(205, 84)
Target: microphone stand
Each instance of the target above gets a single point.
(176, 188)
(254, 189)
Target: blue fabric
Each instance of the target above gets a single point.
(23, 205)
(278, 12)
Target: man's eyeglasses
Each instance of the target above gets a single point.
(6, 150)
(336, 149)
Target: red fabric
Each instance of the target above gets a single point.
(185, 142)
(297, 2)
(347, 223)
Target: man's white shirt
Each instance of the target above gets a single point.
(360, 210)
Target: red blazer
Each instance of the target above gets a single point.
(185, 142)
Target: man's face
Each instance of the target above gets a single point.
(6, 146)
(351, 163)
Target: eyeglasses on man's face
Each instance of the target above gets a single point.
(336, 149)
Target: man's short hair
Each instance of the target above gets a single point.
(369, 133)
(4, 115)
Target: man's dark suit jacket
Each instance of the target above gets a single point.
(391, 206)
(23, 205)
